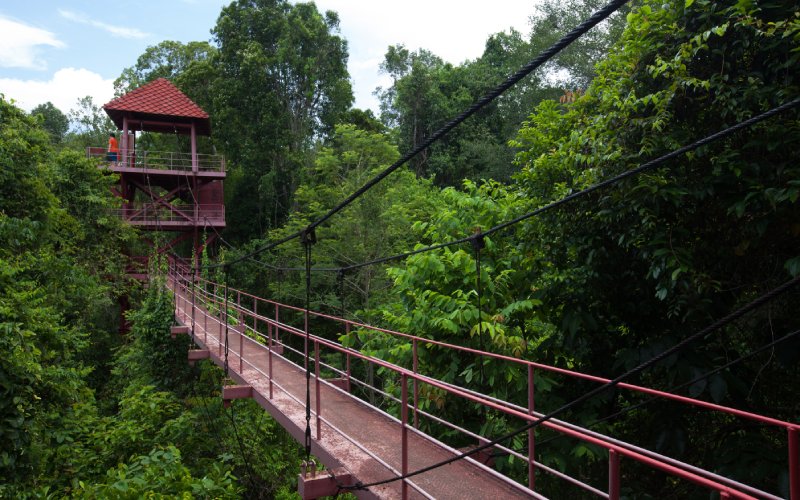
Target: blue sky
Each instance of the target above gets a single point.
(61, 51)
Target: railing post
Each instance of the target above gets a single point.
(305, 339)
(531, 433)
(613, 475)
(194, 301)
(794, 464)
(241, 346)
(184, 291)
(415, 367)
(404, 422)
(269, 356)
(255, 314)
(277, 320)
(316, 383)
(347, 366)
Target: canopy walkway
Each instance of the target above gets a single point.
(260, 345)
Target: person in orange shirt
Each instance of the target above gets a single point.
(113, 148)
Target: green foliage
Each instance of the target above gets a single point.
(60, 270)
(282, 84)
(161, 474)
(152, 353)
(54, 295)
(686, 243)
(426, 92)
(53, 120)
(435, 296)
(90, 125)
(374, 226)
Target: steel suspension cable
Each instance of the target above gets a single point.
(652, 163)
(755, 304)
(534, 64)
(478, 243)
(308, 239)
(683, 385)
(585, 192)
(226, 320)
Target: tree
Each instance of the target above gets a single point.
(374, 226)
(90, 125)
(283, 84)
(53, 120)
(426, 93)
(632, 270)
(574, 67)
(53, 296)
(169, 59)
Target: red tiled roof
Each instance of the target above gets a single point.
(157, 100)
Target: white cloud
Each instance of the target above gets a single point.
(19, 44)
(371, 26)
(63, 90)
(117, 31)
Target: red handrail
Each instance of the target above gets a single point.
(615, 450)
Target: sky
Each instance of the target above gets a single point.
(60, 51)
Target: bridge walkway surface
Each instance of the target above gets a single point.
(351, 434)
(357, 440)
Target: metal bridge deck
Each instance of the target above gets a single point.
(353, 435)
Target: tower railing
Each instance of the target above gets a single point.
(161, 160)
(154, 213)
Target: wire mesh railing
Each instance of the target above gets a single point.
(200, 214)
(160, 160)
(267, 322)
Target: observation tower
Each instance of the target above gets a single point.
(166, 191)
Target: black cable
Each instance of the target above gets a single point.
(478, 243)
(584, 192)
(225, 268)
(247, 465)
(307, 240)
(760, 301)
(683, 385)
(652, 163)
(537, 62)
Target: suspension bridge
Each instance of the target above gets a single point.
(373, 441)
(252, 338)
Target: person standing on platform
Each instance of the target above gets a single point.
(113, 149)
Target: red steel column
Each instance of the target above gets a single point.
(416, 382)
(531, 434)
(241, 353)
(269, 356)
(194, 148)
(316, 375)
(124, 142)
(613, 475)
(404, 421)
(794, 464)
(347, 333)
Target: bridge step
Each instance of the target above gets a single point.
(311, 485)
(179, 330)
(340, 382)
(198, 354)
(231, 392)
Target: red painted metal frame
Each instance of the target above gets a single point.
(615, 451)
